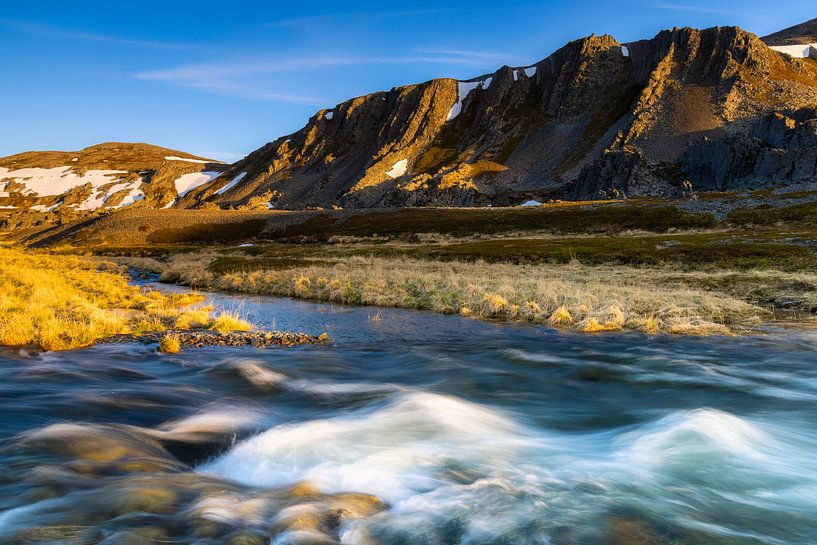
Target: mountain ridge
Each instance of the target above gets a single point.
(595, 118)
(685, 111)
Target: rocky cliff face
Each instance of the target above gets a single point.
(722, 111)
(715, 108)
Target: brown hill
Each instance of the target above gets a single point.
(104, 177)
(804, 33)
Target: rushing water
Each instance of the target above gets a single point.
(468, 432)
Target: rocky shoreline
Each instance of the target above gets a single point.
(201, 339)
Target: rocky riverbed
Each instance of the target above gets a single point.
(200, 339)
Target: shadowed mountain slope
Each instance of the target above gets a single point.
(804, 33)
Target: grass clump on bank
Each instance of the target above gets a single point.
(169, 345)
(63, 302)
(226, 322)
(574, 296)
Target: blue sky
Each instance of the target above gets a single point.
(222, 78)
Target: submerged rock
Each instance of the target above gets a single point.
(628, 531)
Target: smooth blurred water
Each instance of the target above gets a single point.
(471, 432)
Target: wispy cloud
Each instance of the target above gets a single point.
(251, 91)
(482, 55)
(330, 18)
(236, 78)
(42, 29)
(296, 64)
(697, 8)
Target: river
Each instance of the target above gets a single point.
(413, 428)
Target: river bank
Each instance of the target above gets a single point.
(585, 298)
(66, 302)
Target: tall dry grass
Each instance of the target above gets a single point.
(589, 299)
(64, 302)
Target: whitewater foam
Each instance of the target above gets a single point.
(427, 454)
(393, 452)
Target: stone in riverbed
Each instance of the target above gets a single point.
(199, 339)
(628, 531)
(148, 499)
(243, 537)
(304, 537)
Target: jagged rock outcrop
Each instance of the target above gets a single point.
(722, 111)
(779, 150)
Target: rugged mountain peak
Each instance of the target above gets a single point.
(547, 129)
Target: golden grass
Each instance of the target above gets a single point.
(228, 321)
(193, 319)
(585, 298)
(63, 302)
(169, 345)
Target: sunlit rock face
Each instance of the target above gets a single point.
(595, 119)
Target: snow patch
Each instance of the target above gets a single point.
(463, 89)
(531, 202)
(530, 71)
(516, 75)
(44, 208)
(7, 207)
(174, 158)
(329, 115)
(625, 50)
(97, 199)
(799, 51)
(188, 182)
(231, 184)
(398, 169)
(48, 182)
(135, 195)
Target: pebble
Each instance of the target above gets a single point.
(200, 339)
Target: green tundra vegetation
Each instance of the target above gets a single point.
(643, 265)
